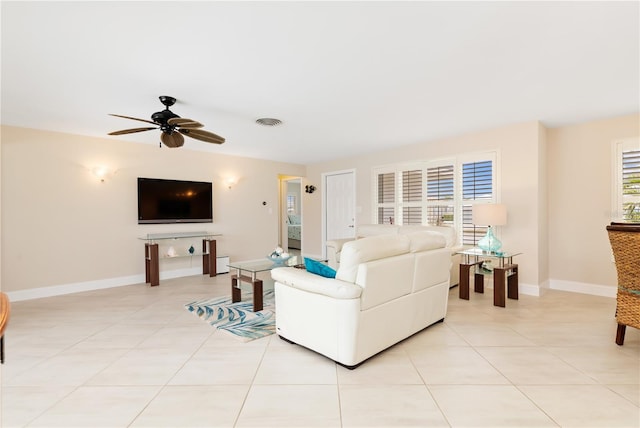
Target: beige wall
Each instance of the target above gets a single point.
(556, 183)
(61, 225)
(580, 191)
(519, 151)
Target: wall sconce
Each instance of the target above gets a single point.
(101, 172)
(230, 182)
(309, 188)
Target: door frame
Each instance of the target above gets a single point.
(283, 231)
(324, 176)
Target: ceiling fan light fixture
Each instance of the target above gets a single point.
(268, 121)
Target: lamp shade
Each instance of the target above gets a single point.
(489, 214)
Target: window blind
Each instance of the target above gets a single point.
(440, 195)
(631, 185)
(477, 185)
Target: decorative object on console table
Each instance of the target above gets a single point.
(489, 215)
(279, 256)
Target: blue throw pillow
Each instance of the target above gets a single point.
(319, 268)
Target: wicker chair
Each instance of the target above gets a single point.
(5, 310)
(625, 242)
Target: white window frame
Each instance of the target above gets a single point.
(458, 202)
(618, 199)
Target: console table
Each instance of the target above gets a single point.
(506, 270)
(152, 257)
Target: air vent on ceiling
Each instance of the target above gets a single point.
(268, 121)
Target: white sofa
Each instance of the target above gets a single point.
(387, 288)
(334, 247)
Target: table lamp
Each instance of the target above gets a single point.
(489, 215)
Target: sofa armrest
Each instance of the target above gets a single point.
(333, 251)
(312, 283)
(337, 244)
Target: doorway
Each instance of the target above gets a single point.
(291, 214)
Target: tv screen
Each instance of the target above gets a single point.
(174, 201)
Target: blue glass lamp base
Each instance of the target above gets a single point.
(489, 242)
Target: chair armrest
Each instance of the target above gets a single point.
(312, 283)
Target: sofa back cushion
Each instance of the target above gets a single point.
(424, 241)
(448, 232)
(385, 280)
(432, 267)
(366, 230)
(368, 249)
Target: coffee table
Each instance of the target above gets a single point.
(247, 271)
(506, 269)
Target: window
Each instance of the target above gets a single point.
(292, 207)
(411, 197)
(436, 193)
(627, 181)
(386, 197)
(477, 186)
(440, 195)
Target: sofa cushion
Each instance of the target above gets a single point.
(423, 241)
(448, 232)
(366, 230)
(367, 249)
(319, 268)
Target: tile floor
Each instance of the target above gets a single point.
(134, 357)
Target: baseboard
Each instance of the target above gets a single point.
(583, 287)
(58, 290)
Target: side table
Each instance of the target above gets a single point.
(506, 270)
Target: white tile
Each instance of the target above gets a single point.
(488, 406)
(100, 406)
(389, 406)
(584, 406)
(523, 367)
(194, 406)
(291, 406)
(455, 365)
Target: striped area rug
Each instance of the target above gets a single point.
(238, 319)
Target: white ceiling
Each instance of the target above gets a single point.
(344, 77)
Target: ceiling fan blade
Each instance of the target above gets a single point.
(184, 122)
(172, 140)
(133, 118)
(202, 135)
(130, 131)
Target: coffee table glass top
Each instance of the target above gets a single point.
(255, 266)
(479, 252)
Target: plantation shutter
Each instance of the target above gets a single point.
(386, 197)
(412, 197)
(477, 186)
(440, 195)
(631, 185)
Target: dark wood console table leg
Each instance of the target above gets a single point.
(257, 295)
(236, 292)
(478, 283)
(463, 283)
(499, 276)
(209, 257)
(151, 264)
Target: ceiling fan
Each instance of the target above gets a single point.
(173, 127)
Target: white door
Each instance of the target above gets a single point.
(339, 205)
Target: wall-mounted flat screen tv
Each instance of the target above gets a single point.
(174, 201)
